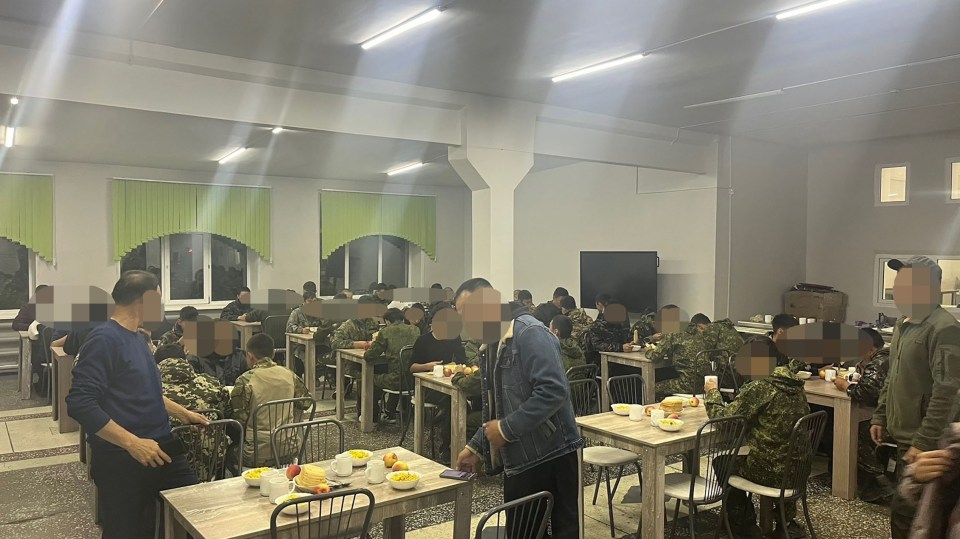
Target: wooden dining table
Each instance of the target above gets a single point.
(62, 373)
(246, 329)
(309, 358)
(229, 509)
(25, 370)
(654, 446)
(426, 381)
(638, 360)
(847, 416)
(366, 385)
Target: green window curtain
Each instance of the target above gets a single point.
(347, 216)
(26, 212)
(143, 211)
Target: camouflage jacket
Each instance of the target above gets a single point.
(682, 350)
(242, 395)
(390, 340)
(873, 374)
(571, 354)
(721, 335)
(644, 327)
(353, 330)
(193, 391)
(468, 384)
(581, 322)
(604, 336)
(771, 406)
(233, 310)
(172, 336)
(471, 350)
(298, 321)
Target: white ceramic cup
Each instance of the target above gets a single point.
(279, 486)
(342, 464)
(376, 471)
(636, 412)
(830, 374)
(656, 415)
(811, 320)
(802, 320)
(768, 318)
(438, 371)
(708, 379)
(265, 481)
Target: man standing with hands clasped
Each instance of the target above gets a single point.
(529, 431)
(118, 398)
(918, 396)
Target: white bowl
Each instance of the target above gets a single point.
(252, 481)
(670, 425)
(293, 509)
(620, 408)
(403, 485)
(357, 462)
(804, 375)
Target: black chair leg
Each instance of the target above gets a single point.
(610, 503)
(782, 513)
(691, 519)
(639, 475)
(617, 483)
(806, 516)
(596, 487)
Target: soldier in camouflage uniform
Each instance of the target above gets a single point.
(193, 391)
(681, 349)
(300, 322)
(187, 314)
(581, 320)
(351, 334)
(604, 336)
(471, 351)
(469, 385)
(570, 352)
(771, 406)
(872, 369)
(387, 345)
(644, 327)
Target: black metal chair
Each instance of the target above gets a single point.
(210, 413)
(276, 327)
(718, 440)
(585, 396)
(277, 413)
(626, 389)
(804, 441)
(207, 447)
(583, 371)
(307, 441)
(405, 392)
(722, 365)
(338, 514)
(524, 518)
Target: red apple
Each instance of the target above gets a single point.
(390, 459)
(322, 488)
(694, 402)
(673, 416)
(292, 471)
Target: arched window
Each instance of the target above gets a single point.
(370, 259)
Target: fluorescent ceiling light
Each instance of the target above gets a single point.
(405, 168)
(14, 101)
(598, 67)
(409, 24)
(8, 136)
(803, 10)
(231, 155)
(735, 99)
(276, 130)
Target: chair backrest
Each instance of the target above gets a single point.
(276, 327)
(723, 439)
(626, 389)
(307, 441)
(207, 447)
(334, 515)
(585, 396)
(722, 362)
(406, 379)
(524, 518)
(277, 413)
(46, 336)
(210, 413)
(804, 441)
(581, 372)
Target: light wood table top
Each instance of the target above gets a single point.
(245, 324)
(816, 386)
(230, 509)
(638, 360)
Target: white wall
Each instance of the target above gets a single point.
(846, 230)
(593, 207)
(84, 236)
(761, 227)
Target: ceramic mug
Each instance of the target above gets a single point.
(342, 464)
(265, 481)
(376, 472)
(768, 318)
(636, 412)
(830, 374)
(708, 379)
(656, 415)
(279, 486)
(438, 371)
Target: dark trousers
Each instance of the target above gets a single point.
(128, 491)
(560, 477)
(902, 512)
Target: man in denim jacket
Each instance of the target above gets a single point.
(529, 431)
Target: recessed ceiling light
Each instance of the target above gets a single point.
(276, 130)
(14, 100)
(405, 168)
(803, 10)
(598, 67)
(9, 134)
(233, 153)
(424, 17)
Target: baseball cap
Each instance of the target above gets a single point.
(917, 262)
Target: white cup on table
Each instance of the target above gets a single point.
(656, 415)
(636, 412)
(376, 471)
(342, 464)
(830, 375)
(438, 371)
(711, 378)
(265, 478)
(279, 486)
(768, 318)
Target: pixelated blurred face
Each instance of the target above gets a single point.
(824, 342)
(204, 337)
(72, 307)
(916, 292)
(244, 297)
(754, 360)
(446, 325)
(615, 314)
(483, 315)
(414, 315)
(667, 321)
(366, 311)
(152, 309)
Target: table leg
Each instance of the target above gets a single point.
(171, 528)
(649, 383)
(340, 382)
(458, 423)
(393, 527)
(366, 383)
(652, 513)
(310, 368)
(288, 357)
(418, 395)
(604, 376)
(54, 387)
(844, 450)
(461, 516)
(64, 381)
(26, 369)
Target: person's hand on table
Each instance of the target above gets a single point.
(877, 434)
(492, 431)
(628, 347)
(911, 455)
(361, 345)
(656, 336)
(468, 461)
(305, 331)
(930, 465)
(242, 318)
(707, 386)
(841, 383)
(147, 452)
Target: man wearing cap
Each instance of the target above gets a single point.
(916, 401)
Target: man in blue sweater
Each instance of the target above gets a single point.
(118, 398)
